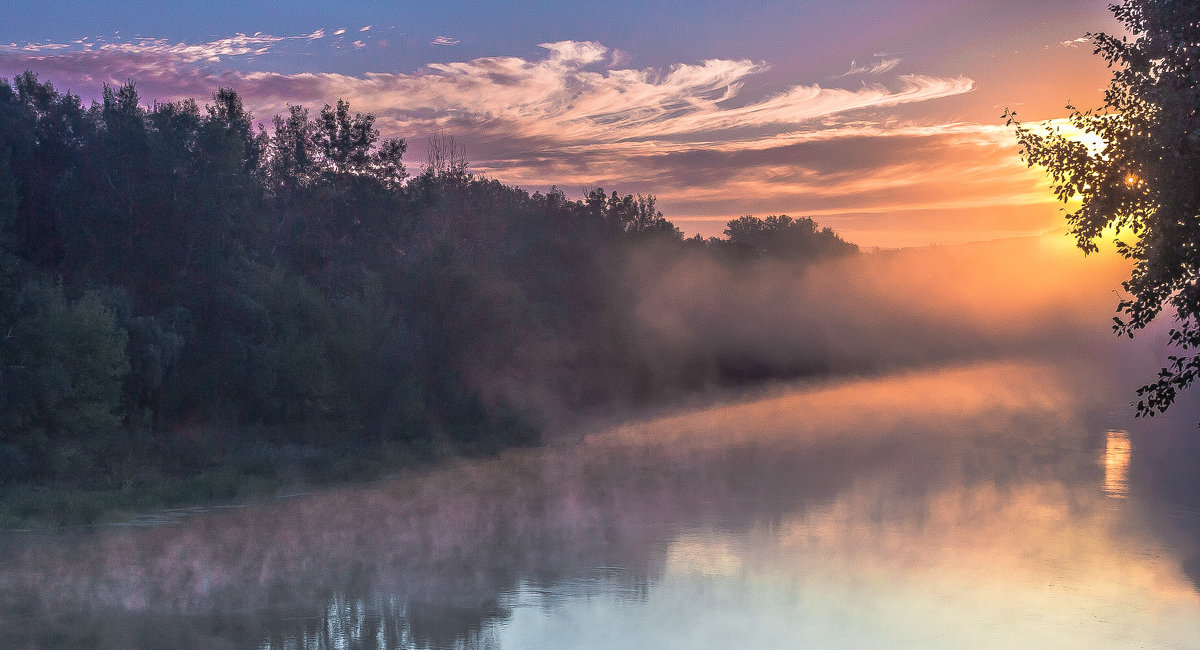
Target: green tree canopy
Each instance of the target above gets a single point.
(1144, 179)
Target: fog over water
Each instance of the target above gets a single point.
(964, 473)
(891, 308)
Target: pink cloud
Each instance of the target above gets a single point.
(879, 67)
(577, 118)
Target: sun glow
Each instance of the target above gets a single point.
(1116, 464)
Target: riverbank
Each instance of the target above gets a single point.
(249, 474)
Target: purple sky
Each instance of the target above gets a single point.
(880, 119)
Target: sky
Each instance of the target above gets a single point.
(879, 119)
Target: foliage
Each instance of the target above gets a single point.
(1143, 179)
(184, 295)
(784, 237)
(61, 369)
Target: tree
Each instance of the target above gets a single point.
(63, 363)
(233, 120)
(293, 161)
(345, 142)
(1144, 179)
(444, 156)
(44, 132)
(784, 237)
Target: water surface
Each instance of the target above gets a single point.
(994, 504)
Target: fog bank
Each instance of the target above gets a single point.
(894, 308)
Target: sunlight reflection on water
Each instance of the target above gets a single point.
(1116, 464)
(966, 567)
(954, 507)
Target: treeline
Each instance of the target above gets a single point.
(180, 290)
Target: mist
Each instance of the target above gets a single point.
(961, 394)
(524, 406)
(877, 475)
(885, 309)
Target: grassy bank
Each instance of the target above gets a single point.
(250, 473)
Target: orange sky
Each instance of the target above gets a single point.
(881, 120)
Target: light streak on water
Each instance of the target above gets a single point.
(1116, 464)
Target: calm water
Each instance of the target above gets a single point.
(987, 505)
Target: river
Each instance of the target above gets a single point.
(987, 504)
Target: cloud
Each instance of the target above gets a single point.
(558, 91)
(359, 44)
(340, 31)
(320, 33)
(578, 117)
(575, 52)
(879, 67)
(619, 58)
(161, 49)
(1075, 42)
(40, 47)
(444, 40)
(557, 98)
(365, 28)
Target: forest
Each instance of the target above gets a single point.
(189, 301)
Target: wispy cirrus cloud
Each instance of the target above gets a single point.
(578, 117)
(878, 67)
(43, 47)
(444, 40)
(565, 98)
(568, 95)
(157, 49)
(238, 45)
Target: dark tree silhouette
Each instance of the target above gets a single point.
(784, 237)
(1144, 179)
(181, 292)
(444, 156)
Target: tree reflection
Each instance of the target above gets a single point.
(445, 559)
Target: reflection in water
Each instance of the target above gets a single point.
(975, 568)
(355, 623)
(948, 508)
(1116, 464)
(710, 554)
